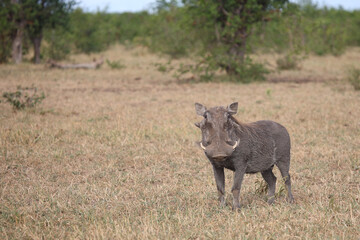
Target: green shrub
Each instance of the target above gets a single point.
(354, 78)
(23, 98)
(115, 64)
(170, 31)
(287, 62)
(59, 44)
(92, 32)
(164, 67)
(203, 70)
(250, 72)
(206, 70)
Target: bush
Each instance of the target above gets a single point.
(6, 30)
(354, 78)
(206, 70)
(287, 62)
(170, 31)
(24, 98)
(164, 67)
(59, 44)
(250, 72)
(307, 28)
(115, 64)
(92, 32)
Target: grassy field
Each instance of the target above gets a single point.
(111, 154)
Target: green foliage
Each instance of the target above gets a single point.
(230, 23)
(249, 72)
(31, 16)
(307, 29)
(203, 70)
(354, 78)
(164, 67)
(206, 70)
(161, 67)
(58, 43)
(327, 35)
(115, 64)
(6, 29)
(24, 97)
(288, 62)
(90, 31)
(46, 14)
(226, 31)
(95, 32)
(168, 32)
(129, 26)
(261, 187)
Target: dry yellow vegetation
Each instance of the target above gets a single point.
(111, 154)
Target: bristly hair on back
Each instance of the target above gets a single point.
(247, 128)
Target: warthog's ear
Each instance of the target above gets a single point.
(200, 109)
(232, 108)
(197, 124)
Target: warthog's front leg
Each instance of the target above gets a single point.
(220, 184)
(238, 178)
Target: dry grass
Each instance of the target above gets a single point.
(110, 154)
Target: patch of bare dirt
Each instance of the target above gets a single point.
(299, 80)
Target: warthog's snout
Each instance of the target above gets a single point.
(221, 152)
(219, 157)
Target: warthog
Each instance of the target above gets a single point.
(243, 148)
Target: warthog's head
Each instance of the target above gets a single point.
(218, 137)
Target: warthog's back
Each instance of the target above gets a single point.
(278, 134)
(264, 143)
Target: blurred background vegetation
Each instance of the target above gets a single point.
(219, 35)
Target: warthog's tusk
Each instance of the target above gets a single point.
(235, 145)
(202, 146)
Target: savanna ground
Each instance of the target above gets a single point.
(111, 154)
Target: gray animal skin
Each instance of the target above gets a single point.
(243, 148)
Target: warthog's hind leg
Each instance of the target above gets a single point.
(270, 179)
(284, 165)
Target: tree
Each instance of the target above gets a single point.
(18, 17)
(6, 29)
(18, 20)
(46, 14)
(231, 21)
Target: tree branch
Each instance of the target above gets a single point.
(223, 9)
(93, 65)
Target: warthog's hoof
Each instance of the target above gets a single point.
(271, 200)
(236, 207)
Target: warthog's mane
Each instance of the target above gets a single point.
(250, 129)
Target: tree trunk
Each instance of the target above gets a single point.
(37, 43)
(237, 51)
(17, 43)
